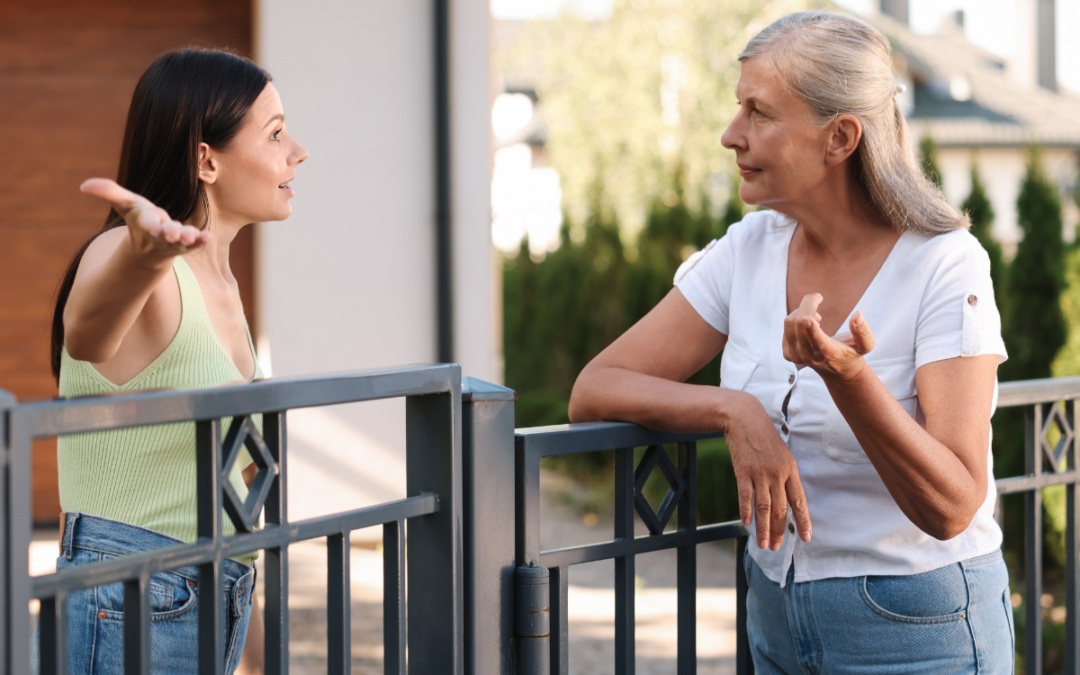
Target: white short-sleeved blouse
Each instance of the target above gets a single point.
(931, 300)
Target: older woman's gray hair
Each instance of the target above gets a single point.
(841, 65)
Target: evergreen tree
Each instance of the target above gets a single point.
(928, 161)
(1035, 326)
(981, 213)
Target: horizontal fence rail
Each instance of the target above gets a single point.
(681, 498)
(433, 633)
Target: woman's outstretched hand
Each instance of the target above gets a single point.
(805, 344)
(152, 231)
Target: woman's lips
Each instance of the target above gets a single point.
(746, 171)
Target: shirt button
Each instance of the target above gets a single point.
(972, 300)
(101, 614)
(791, 528)
(190, 583)
(783, 427)
(791, 379)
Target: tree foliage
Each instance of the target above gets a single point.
(981, 213)
(641, 97)
(1035, 327)
(928, 161)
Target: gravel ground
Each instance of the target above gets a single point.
(592, 602)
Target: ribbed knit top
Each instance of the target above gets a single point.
(145, 476)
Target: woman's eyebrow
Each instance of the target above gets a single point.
(279, 116)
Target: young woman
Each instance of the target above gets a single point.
(882, 443)
(150, 302)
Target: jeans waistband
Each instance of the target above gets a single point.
(93, 533)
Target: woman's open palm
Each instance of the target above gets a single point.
(806, 344)
(153, 232)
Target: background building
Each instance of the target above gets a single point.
(983, 110)
(350, 280)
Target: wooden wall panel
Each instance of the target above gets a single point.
(67, 71)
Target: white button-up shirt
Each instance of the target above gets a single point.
(931, 300)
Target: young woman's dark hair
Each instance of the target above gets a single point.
(185, 98)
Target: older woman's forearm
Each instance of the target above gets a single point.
(931, 484)
(618, 394)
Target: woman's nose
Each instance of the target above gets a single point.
(733, 137)
(300, 154)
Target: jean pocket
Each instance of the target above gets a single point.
(937, 596)
(171, 596)
(839, 441)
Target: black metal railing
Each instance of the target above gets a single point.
(1052, 407)
(681, 497)
(472, 507)
(430, 623)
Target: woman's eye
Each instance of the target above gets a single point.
(274, 136)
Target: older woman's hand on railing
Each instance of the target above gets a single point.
(767, 475)
(805, 344)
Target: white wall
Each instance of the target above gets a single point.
(348, 282)
(1002, 171)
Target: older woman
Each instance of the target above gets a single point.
(877, 440)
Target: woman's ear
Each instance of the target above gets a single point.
(846, 132)
(208, 164)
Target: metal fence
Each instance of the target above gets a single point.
(681, 498)
(1052, 408)
(482, 596)
(433, 628)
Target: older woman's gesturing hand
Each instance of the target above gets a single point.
(805, 344)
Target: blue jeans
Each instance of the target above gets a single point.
(96, 616)
(952, 620)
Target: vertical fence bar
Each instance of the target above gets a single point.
(137, 626)
(53, 637)
(18, 536)
(744, 663)
(338, 605)
(1072, 542)
(624, 565)
(394, 616)
(560, 616)
(687, 563)
(276, 567)
(1033, 421)
(7, 401)
(434, 555)
(208, 488)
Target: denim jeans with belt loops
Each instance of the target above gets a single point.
(952, 620)
(96, 616)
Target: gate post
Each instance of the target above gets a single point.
(488, 527)
(433, 465)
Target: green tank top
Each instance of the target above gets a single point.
(146, 476)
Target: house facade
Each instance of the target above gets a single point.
(386, 259)
(984, 111)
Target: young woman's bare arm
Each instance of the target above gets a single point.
(640, 378)
(120, 270)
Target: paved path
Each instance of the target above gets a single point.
(592, 602)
